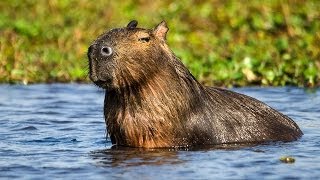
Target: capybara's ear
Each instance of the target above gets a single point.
(161, 30)
(132, 24)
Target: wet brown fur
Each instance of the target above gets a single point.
(152, 100)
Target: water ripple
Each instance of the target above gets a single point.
(28, 128)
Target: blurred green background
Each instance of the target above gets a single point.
(223, 43)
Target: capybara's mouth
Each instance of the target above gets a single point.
(103, 84)
(100, 83)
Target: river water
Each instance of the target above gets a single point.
(58, 131)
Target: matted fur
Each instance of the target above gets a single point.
(152, 100)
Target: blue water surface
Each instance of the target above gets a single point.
(58, 131)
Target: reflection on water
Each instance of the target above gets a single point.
(125, 157)
(58, 131)
(118, 156)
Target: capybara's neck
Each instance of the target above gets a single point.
(153, 113)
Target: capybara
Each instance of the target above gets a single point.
(153, 101)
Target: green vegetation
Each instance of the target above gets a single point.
(226, 43)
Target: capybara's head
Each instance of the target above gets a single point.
(126, 56)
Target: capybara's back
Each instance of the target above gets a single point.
(153, 101)
(237, 118)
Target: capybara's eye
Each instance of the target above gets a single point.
(144, 39)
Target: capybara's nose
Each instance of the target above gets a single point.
(106, 51)
(90, 50)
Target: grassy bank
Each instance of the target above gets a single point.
(222, 43)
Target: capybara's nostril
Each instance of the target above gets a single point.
(106, 51)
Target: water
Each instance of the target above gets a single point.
(58, 131)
